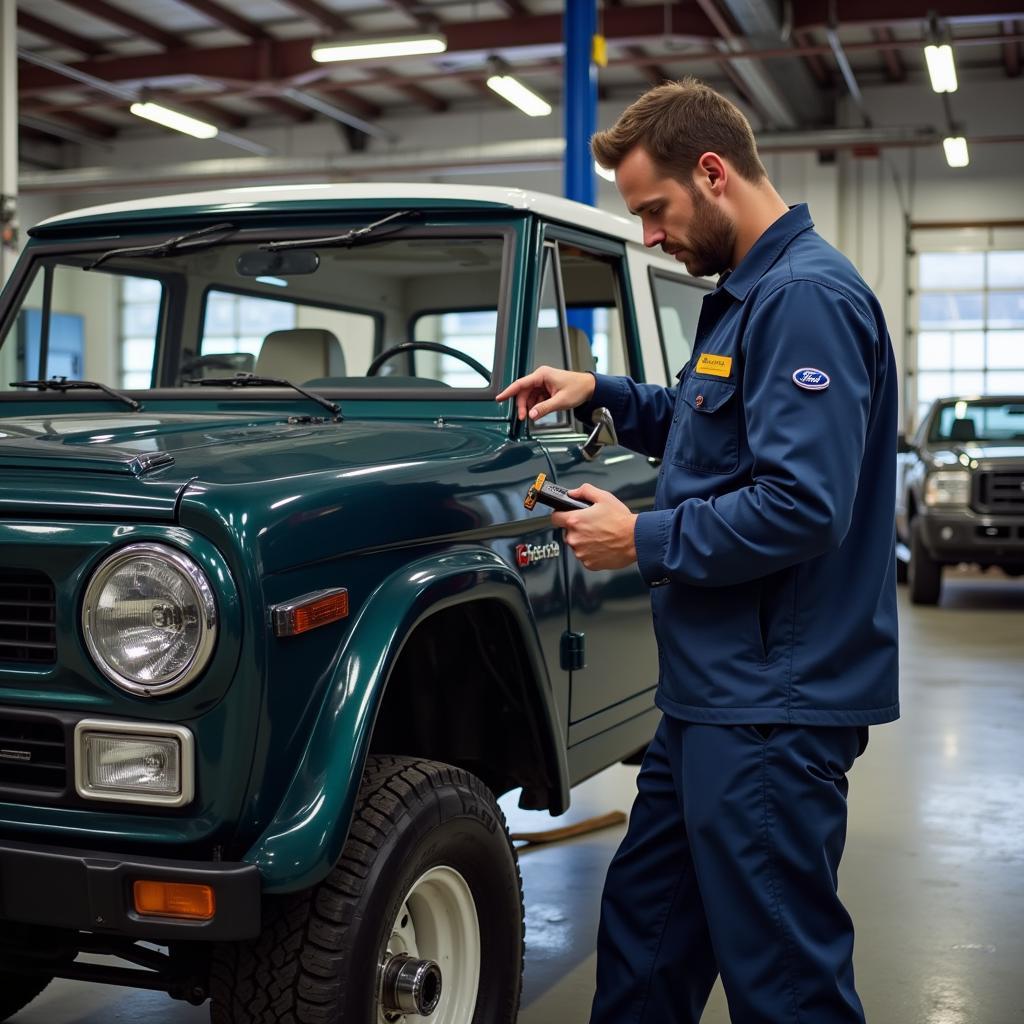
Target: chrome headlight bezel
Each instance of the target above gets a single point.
(939, 487)
(203, 593)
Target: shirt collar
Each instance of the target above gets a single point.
(765, 251)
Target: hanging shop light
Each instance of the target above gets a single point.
(369, 48)
(173, 119)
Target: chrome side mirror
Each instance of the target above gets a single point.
(602, 434)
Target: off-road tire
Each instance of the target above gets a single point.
(924, 575)
(316, 960)
(18, 990)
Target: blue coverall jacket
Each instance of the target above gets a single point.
(771, 547)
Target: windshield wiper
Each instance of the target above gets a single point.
(190, 240)
(250, 380)
(350, 238)
(62, 384)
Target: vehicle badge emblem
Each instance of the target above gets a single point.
(530, 554)
(15, 755)
(810, 379)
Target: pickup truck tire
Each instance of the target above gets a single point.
(429, 870)
(924, 575)
(18, 990)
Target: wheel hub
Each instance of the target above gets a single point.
(410, 986)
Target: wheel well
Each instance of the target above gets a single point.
(463, 692)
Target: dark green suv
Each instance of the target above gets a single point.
(275, 627)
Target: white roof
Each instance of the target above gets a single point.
(227, 199)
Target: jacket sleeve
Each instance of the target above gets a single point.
(642, 412)
(807, 448)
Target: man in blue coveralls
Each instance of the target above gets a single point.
(770, 558)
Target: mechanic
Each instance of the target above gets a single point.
(770, 558)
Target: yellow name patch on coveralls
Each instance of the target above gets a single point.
(716, 366)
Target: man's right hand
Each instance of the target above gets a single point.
(549, 390)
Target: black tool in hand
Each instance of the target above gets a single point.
(551, 495)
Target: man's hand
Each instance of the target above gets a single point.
(600, 536)
(548, 390)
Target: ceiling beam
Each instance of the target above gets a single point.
(818, 13)
(227, 18)
(895, 69)
(56, 34)
(323, 16)
(815, 63)
(132, 25)
(91, 125)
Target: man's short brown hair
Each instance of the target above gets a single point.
(677, 122)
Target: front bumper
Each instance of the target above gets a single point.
(86, 890)
(967, 536)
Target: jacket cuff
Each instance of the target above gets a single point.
(608, 391)
(650, 534)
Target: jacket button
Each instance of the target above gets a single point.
(700, 401)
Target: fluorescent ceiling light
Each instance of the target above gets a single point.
(518, 95)
(956, 151)
(384, 46)
(941, 68)
(172, 119)
(604, 172)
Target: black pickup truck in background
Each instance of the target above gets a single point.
(960, 491)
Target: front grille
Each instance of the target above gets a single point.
(1001, 491)
(28, 631)
(32, 753)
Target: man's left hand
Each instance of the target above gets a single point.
(600, 536)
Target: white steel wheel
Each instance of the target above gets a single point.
(437, 921)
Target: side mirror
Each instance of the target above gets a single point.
(602, 434)
(903, 445)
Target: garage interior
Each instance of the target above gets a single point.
(848, 121)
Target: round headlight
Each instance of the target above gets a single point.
(149, 619)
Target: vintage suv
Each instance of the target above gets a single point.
(275, 627)
(960, 490)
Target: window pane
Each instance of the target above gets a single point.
(140, 318)
(140, 289)
(968, 383)
(678, 310)
(1006, 269)
(1006, 309)
(261, 316)
(137, 355)
(934, 350)
(135, 380)
(951, 270)
(1005, 382)
(952, 309)
(933, 385)
(968, 350)
(221, 313)
(1006, 349)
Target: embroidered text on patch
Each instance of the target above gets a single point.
(810, 379)
(714, 365)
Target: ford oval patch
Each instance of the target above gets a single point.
(810, 379)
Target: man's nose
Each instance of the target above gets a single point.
(653, 236)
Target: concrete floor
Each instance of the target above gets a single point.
(934, 867)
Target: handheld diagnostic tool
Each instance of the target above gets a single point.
(551, 495)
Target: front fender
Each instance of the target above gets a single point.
(305, 838)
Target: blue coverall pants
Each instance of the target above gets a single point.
(729, 866)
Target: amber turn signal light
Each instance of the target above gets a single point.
(175, 899)
(308, 612)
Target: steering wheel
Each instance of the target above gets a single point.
(429, 346)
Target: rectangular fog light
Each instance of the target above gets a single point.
(134, 763)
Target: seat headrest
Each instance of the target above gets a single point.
(963, 430)
(300, 354)
(581, 355)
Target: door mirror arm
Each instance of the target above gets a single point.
(602, 434)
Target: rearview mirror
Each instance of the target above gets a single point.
(286, 263)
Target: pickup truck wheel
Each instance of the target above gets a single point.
(422, 916)
(924, 575)
(18, 990)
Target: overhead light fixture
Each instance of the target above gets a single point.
(518, 95)
(956, 151)
(172, 119)
(941, 68)
(363, 48)
(604, 172)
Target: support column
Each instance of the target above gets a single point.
(8, 124)
(580, 99)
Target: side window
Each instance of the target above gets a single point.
(548, 344)
(678, 306)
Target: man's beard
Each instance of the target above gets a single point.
(711, 239)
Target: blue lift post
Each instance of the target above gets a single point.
(580, 101)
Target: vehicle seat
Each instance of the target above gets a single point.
(963, 430)
(581, 355)
(300, 354)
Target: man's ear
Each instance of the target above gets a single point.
(712, 172)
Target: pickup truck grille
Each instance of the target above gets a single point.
(28, 632)
(32, 753)
(1001, 491)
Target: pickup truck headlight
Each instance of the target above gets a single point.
(149, 619)
(947, 487)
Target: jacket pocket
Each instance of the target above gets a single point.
(705, 436)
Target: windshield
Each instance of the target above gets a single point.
(420, 310)
(984, 420)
